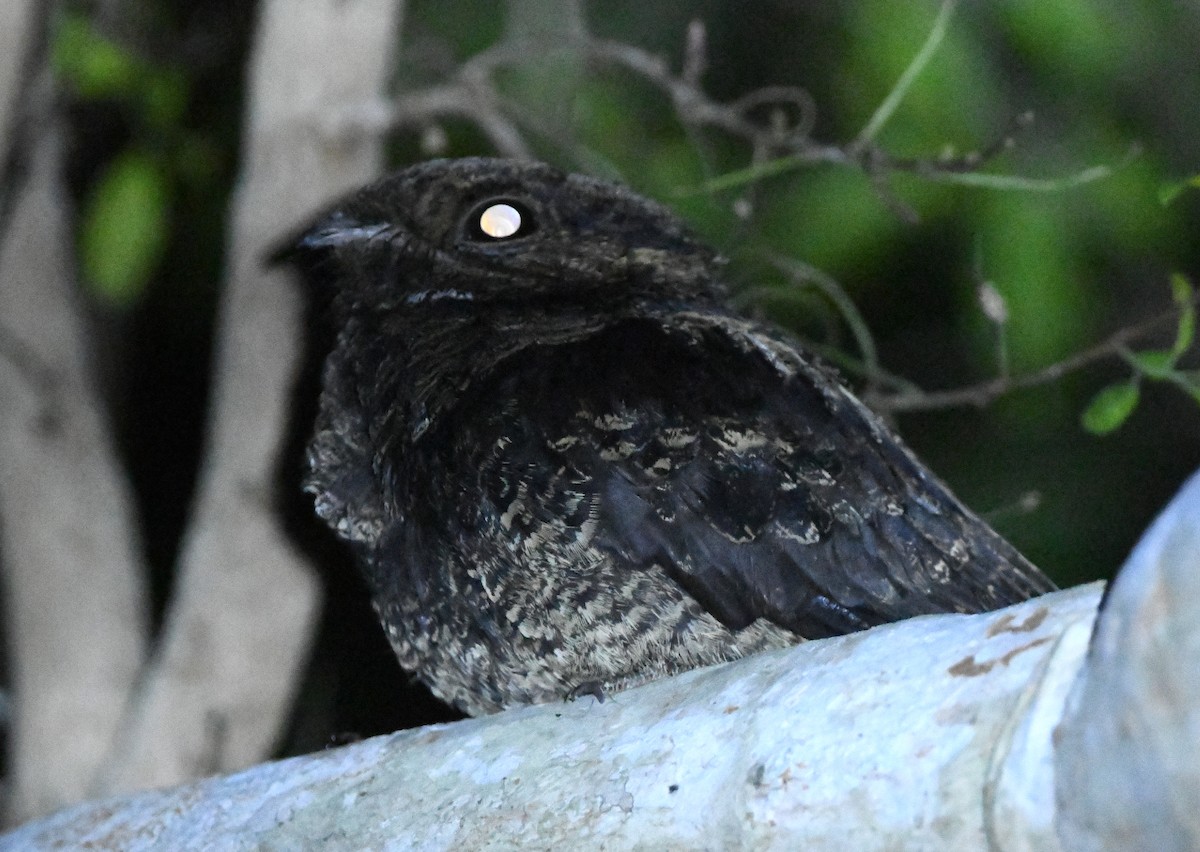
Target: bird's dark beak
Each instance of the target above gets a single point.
(329, 232)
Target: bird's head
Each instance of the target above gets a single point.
(477, 233)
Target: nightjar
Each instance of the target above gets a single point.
(564, 462)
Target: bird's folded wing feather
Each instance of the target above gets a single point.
(763, 492)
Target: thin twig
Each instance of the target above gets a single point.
(695, 53)
(892, 102)
(983, 393)
(1020, 183)
(799, 271)
(472, 87)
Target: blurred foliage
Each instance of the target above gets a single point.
(152, 92)
(127, 209)
(123, 227)
(1167, 193)
(1069, 267)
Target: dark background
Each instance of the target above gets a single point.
(155, 91)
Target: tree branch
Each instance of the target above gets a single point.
(1017, 729)
(845, 743)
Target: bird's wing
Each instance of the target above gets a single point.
(761, 486)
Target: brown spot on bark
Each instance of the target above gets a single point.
(1005, 624)
(969, 667)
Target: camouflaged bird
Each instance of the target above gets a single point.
(565, 463)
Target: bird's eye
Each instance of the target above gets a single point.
(499, 219)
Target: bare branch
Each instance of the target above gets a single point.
(463, 98)
(909, 726)
(1013, 183)
(1068, 722)
(1127, 774)
(471, 93)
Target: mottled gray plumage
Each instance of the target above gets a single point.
(565, 463)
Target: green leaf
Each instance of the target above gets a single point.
(1167, 193)
(1110, 408)
(94, 66)
(1181, 289)
(1154, 363)
(1186, 332)
(1183, 293)
(124, 228)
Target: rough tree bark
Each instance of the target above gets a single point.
(1015, 730)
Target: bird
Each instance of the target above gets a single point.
(566, 465)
